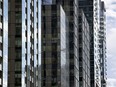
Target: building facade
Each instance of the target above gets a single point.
(84, 51)
(3, 43)
(55, 60)
(102, 44)
(71, 9)
(91, 9)
(24, 43)
(73, 49)
(87, 6)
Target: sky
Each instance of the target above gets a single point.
(111, 41)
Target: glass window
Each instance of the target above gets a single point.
(18, 53)
(0, 81)
(47, 1)
(0, 53)
(18, 31)
(0, 66)
(18, 42)
(18, 66)
(1, 39)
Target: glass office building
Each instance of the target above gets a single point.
(24, 43)
(3, 43)
(87, 6)
(84, 51)
(71, 10)
(55, 60)
(91, 9)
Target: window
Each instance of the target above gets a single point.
(18, 66)
(0, 81)
(18, 30)
(18, 53)
(18, 42)
(0, 66)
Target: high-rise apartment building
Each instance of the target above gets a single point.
(55, 60)
(24, 40)
(3, 42)
(84, 51)
(102, 44)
